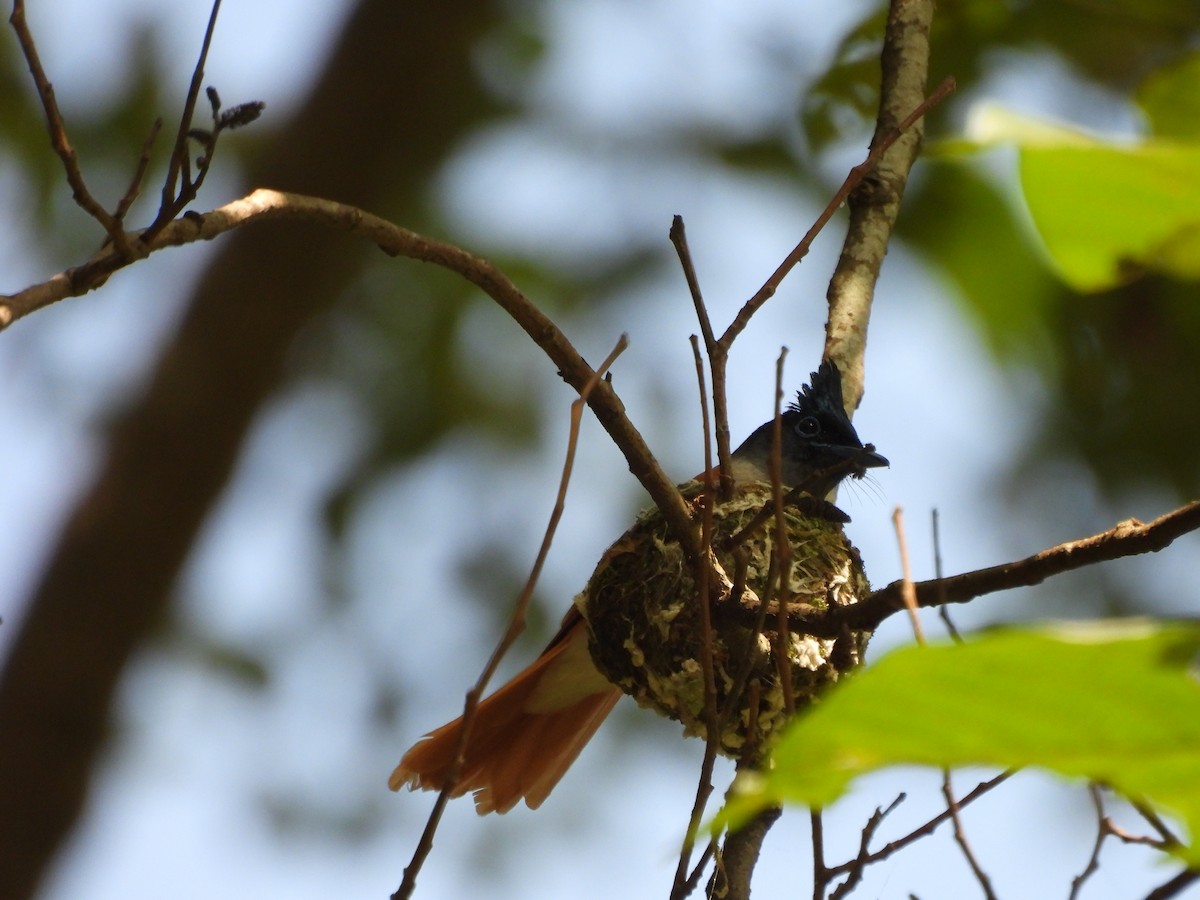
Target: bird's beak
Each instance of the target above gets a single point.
(865, 457)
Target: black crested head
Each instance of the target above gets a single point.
(819, 444)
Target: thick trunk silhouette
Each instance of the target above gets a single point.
(396, 93)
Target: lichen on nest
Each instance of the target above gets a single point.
(641, 606)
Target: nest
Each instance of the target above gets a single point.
(645, 630)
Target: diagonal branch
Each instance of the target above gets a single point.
(1128, 538)
(266, 205)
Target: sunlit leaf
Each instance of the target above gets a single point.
(1116, 702)
(1170, 98)
(1106, 212)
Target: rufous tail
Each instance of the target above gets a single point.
(525, 736)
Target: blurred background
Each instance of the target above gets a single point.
(315, 477)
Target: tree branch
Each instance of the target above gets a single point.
(875, 202)
(1128, 538)
(267, 205)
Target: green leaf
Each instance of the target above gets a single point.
(1170, 98)
(1106, 212)
(1116, 702)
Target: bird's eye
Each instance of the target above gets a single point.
(808, 427)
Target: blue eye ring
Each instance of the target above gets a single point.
(808, 427)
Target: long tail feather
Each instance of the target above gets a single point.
(525, 735)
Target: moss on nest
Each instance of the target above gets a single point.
(645, 628)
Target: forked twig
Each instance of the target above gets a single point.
(58, 130)
(717, 357)
(864, 843)
(173, 201)
(960, 837)
(853, 867)
(1106, 828)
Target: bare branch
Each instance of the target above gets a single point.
(960, 837)
(943, 612)
(1175, 886)
(864, 844)
(1093, 863)
(1128, 538)
(853, 180)
(173, 202)
(718, 357)
(864, 858)
(907, 590)
(266, 205)
(58, 131)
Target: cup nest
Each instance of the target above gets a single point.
(645, 634)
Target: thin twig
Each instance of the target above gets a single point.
(682, 884)
(174, 196)
(943, 611)
(516, 625)
(139, 174)
(1175, 886)
(853, 179)
(718, 356)
(710, 851)
(1093, 862)
(907, 591)
(960, 837)
(782, 548)
(864, 843)
(863, 859)
(1167, 836)
(58, 131)
(821, 872)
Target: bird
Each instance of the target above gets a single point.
(526, 734)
